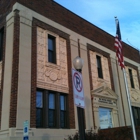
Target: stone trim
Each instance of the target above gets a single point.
(3, 21)
(37, 23)
(93, 48)
(130, 65)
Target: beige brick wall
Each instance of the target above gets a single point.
(51, 76)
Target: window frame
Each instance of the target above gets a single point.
(52, 109)
(45, 116)
(56, 36)
(131, 78)
(40, 108)
(53, 52)
(64, 111)
(99, 66)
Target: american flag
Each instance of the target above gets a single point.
(118, 45)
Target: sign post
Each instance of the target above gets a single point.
(26, 130)
(79, 101)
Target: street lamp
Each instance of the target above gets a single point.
(78, 64)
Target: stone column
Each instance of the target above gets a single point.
(24, 78)
(119, 90)
(115, 118)
(96, 114)
(74, 53)
(7, 71)
(86, 85)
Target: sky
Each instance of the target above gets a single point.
(101, 13)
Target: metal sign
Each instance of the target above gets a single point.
(26, 130)
(78, 90)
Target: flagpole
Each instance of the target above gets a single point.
(118, 47)
(129, 104)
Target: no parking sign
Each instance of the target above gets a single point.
(78, 90)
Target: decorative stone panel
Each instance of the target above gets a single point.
(134, 92)
(51, 76)
(105, 69)
(135, 76)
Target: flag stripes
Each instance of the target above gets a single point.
(118, 46)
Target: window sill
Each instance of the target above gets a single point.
(101, 80)
(133, 89)
(52, 65)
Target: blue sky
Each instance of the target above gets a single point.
(101, 13)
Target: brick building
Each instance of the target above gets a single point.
(38, 42)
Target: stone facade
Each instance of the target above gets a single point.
(25, 67)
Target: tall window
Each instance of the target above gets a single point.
(51, 49)
(63, 111)
(131, 78)
(51, 109)
(39, 108)
(136, 115)
(99, 66)
(1, 43)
